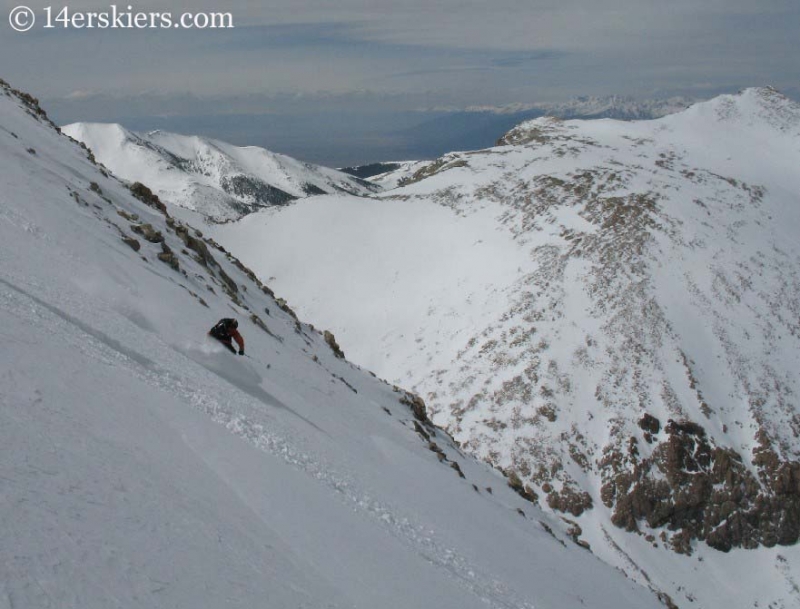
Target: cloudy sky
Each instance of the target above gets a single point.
(344, 81)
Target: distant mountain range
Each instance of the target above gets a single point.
(218, 180)
(476, 127)
(619, 107)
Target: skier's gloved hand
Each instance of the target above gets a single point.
(241, 351)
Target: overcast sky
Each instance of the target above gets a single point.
(370, 68)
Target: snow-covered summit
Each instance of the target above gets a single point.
(608, 309)
(756, 108)
(753, 108)
(218, 180)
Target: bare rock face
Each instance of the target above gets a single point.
(701, 491)
(417, 406)
(132, 243)
(144, 194)
(167, 256)
(650, 425)
(331, 340)
(148, 232)
(196, 244)
(570, 500)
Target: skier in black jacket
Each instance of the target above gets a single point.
(225, 331)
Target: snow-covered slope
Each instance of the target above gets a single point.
(609, 310)
(397, 176)
(141, 465)
(386, 175)
(218, 180)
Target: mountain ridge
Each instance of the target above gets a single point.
(216, 179)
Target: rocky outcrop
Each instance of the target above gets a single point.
(145, 195)
(330, 339)
(433, 168)
(695, 490)
(417, 405)
(203, 256)
(29, 102)
(167, 256)
(570, 500)
(148, 232)
(132, 243)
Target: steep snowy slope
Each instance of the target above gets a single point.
(216, 179)
(141, 465)
(609, 310)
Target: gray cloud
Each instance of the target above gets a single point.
(350, 58)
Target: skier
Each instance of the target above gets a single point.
(224, 331)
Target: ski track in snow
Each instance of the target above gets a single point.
(261, 429)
